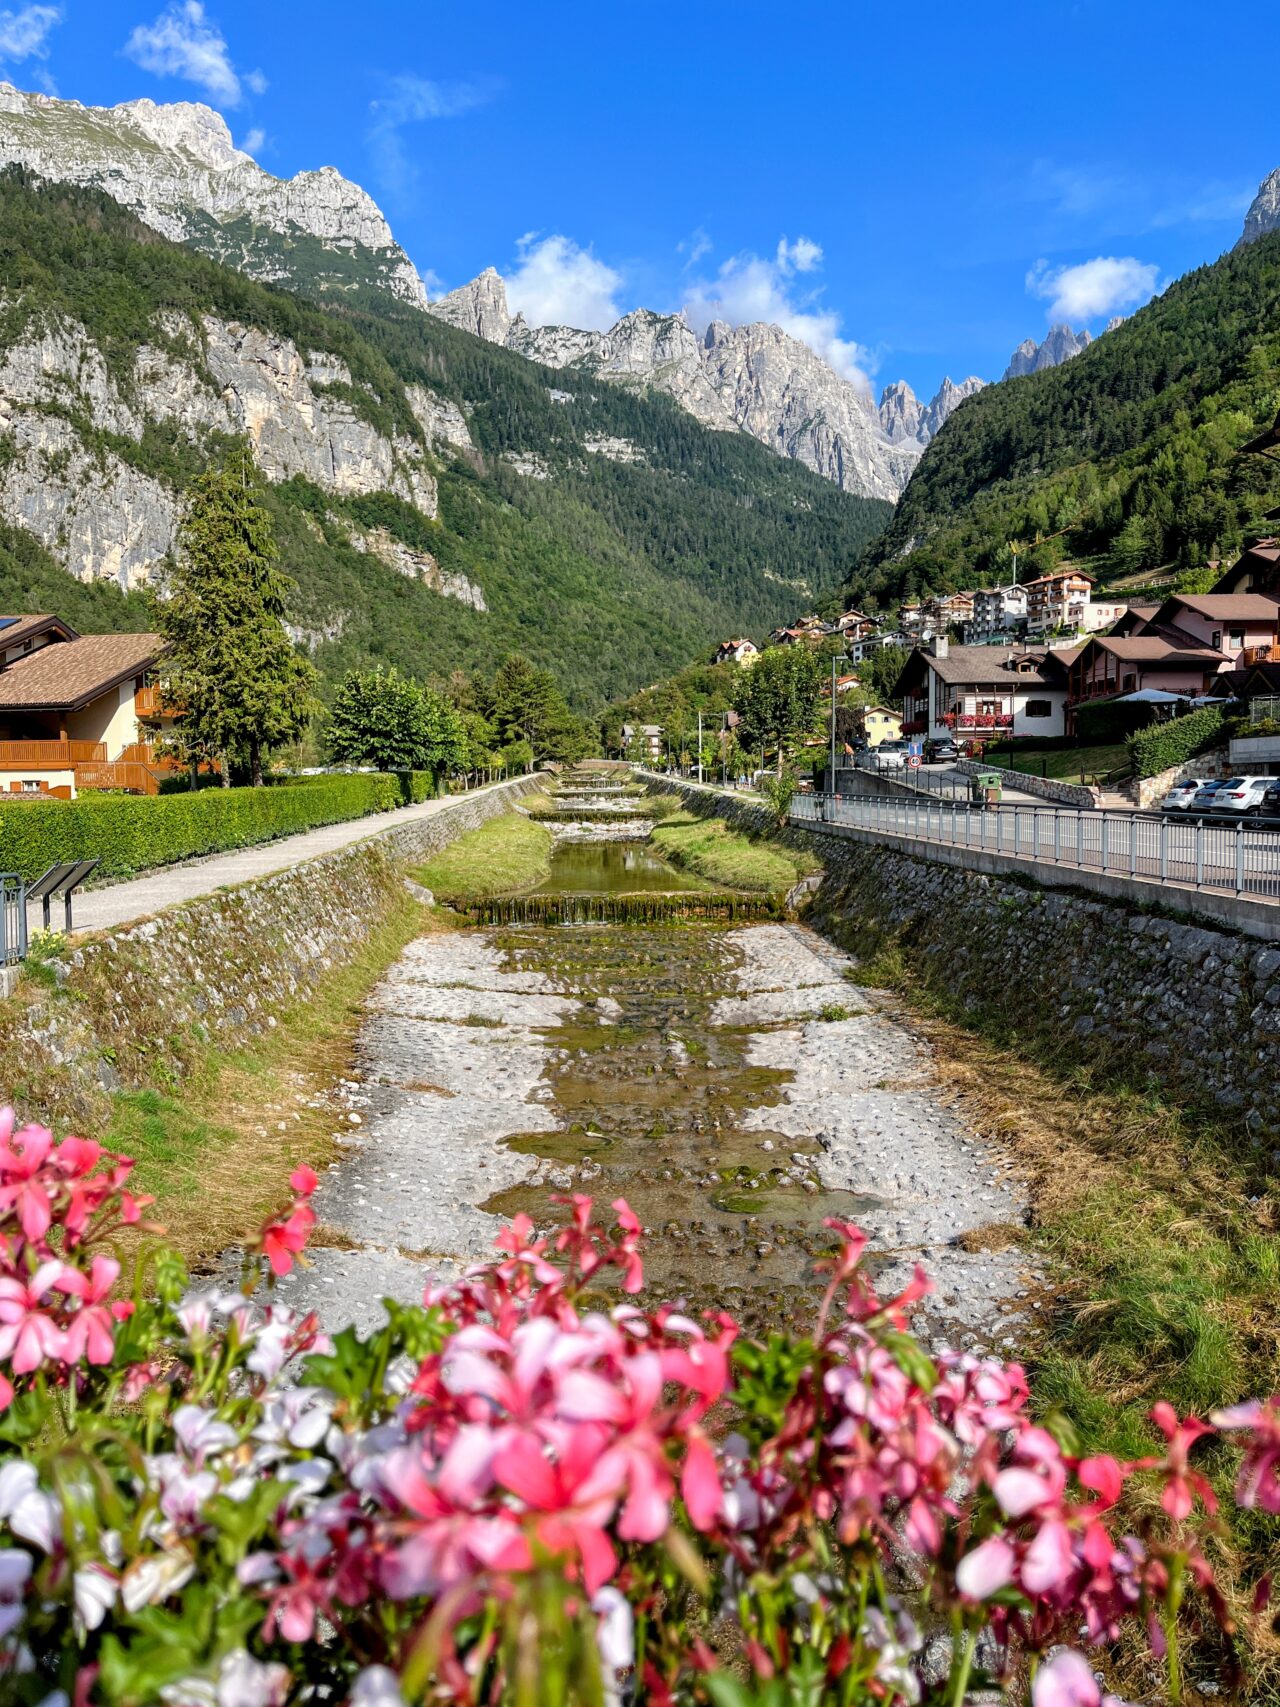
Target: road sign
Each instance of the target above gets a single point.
(913, 759)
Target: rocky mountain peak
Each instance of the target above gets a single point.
(1060, 345)
(176, 167)
(1264, 211)
(900, 412)
(479, 307)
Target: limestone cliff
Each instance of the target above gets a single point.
(1264, 211)
(176, 168)
(71, 434)
(1059, 345)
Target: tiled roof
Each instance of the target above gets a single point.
(70, 673)
(15, 629)
(984, 664)
(1237, 607)
(1151, 648)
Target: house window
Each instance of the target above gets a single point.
(1216, 641)
(30, 787)
(1039, 708)
(1235, 638)
(1130, 683)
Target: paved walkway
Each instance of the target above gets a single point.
(123, 903)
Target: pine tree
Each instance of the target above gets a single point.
(242, 685)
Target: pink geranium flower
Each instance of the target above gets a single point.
(1259, 1480)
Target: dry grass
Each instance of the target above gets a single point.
(216, 1154)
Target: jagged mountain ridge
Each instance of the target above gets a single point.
(176, 167)
(755, 379)
(1058, 345)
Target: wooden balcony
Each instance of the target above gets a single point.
(136, 778)
(1257, 655)
(50, 755)
(149, 702)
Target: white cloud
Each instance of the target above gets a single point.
(24, 34)
(183, 43)
(693, 247)
(802, 256)
(413, 100)
(254, 140)
(1093, 288)
(556, 283)
(749, 288)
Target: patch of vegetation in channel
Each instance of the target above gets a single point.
(712, 849)
(503, 857)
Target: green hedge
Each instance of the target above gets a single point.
(130, 833)
(1167, 744)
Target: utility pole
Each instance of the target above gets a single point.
(699, 746)
(831, 777)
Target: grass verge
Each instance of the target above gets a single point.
(1157, 1228)
(709, 848)
(217, 1153)
(1065, 764)
(502, 857)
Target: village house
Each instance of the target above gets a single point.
(863, 649)
(736, 652)
(999, 613)
(1057, 601)
(646, 736)
(978, 691)
(77, 711)
(880, 723)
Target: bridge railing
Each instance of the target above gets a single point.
(1240, 859)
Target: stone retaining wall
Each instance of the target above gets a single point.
(1148, 791)
(134, 1007)
(1196, 1009)
(1043, 787)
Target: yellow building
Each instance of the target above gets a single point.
(880, 724)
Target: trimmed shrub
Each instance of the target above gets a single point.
(130, 833)
(1167, 744)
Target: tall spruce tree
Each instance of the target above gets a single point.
(242, 685)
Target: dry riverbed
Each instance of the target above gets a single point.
(734, 1084)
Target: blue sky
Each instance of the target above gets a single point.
(914, 189)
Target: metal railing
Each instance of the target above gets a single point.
(924, 781)
(13, 919)
(1240, 858)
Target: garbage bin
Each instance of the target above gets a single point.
(984, 788)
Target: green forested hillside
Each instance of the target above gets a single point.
(1126, 453)
(610, 572)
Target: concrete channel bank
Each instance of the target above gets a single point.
(1194, 1002)
(133, 1006)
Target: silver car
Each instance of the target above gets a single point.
(890, 756)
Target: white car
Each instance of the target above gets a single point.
(1180, 796)
(890, 756)
(1239, 795)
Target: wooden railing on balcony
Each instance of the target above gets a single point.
(139, 779)
(51, 754)
(1257, 655)
(149, 702)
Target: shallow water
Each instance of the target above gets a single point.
(608, 868)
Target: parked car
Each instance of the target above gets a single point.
(1271, 799)
(1181, 795)
(1202, 799)
(944, 751)
(1241, 796)
(890, 756)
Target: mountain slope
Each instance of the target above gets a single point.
(1125, 452)
(175, 167)
(441, 501)
(755, 379)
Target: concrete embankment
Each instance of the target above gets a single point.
(135, 1006)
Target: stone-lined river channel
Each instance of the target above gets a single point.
(733, 1082)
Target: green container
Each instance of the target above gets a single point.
(986, 785)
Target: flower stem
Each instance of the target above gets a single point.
(966, 1666)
